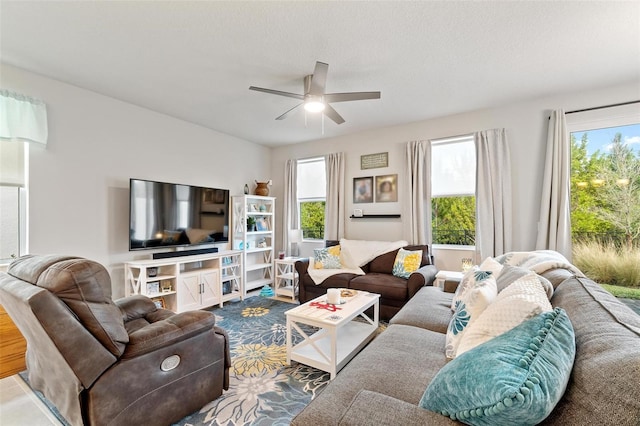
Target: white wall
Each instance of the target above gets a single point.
(79, 183)
(526, 125)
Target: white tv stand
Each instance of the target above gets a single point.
(187, 283)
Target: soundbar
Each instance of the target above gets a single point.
(181, 253)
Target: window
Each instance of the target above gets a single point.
(605, 185)
(453, 184)
(312, 195)
(13, 214)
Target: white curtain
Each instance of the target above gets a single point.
(22, 118)
(554, 226)
(493, 193)
(290, 216)
(335, 205)
(417, 221)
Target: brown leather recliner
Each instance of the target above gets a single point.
(111, 363)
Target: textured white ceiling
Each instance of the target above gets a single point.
(196, 60)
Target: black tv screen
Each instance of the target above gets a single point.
(169, 215)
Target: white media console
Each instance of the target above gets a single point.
(186, 283)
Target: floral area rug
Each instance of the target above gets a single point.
(263, 390)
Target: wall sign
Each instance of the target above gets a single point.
(374, 161)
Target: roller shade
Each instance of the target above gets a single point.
(453, 167)
(312, 182)
(12, 167)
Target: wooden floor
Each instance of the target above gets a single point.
(12, 346)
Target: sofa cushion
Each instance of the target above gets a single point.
(406, 263)
(388, 365)
(515, 378)
(386, 285)
(604, 382)
(429, 309)
(327, 258)
(520, 301)
(469, 308)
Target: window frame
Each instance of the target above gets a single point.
(23, 206)
(300, 200)
(452, 140)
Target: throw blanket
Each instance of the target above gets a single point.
(353, 255)
(538, 261)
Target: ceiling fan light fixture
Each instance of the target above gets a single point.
(314, 106)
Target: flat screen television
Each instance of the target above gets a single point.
(172, 215)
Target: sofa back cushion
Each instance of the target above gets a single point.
(604, 382)
(383, 264)
(85, 288)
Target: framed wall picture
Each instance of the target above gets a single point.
(374, 161)
(386, 188)
(363, 189)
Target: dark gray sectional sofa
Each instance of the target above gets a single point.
(384, 383)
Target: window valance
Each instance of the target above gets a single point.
(22, 118)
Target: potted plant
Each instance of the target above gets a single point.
(251, 223)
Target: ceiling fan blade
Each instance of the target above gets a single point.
(283, 116)
(351, 96)
(319, 79)
(277, 92)
(333, 114)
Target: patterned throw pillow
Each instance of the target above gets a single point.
(516, 378)
(523, 299)
(468, 281)
(327, 258)
(469, 307)
(406, 263)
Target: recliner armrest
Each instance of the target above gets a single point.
(134, 307)
(165, 332)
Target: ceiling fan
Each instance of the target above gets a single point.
(315, 99)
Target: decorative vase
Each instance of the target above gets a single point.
(262, 188)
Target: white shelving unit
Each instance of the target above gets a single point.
(188, 282)
(256, 243)
(286, 283)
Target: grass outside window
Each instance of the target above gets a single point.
(617, 269)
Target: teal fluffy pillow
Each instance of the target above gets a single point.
(515, 378)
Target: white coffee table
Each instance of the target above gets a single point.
(339, 339)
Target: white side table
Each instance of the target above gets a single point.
(286, 282)
(443, 276)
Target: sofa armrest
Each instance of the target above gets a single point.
(429, 273)
(302, 266)
(422, 277)
(168, 331)
(134, 307)
(365, 407)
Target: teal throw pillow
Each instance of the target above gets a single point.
(515, 378)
